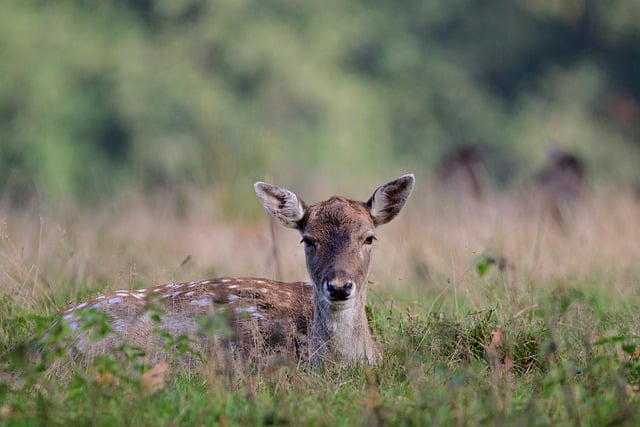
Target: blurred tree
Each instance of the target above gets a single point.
(153, 94)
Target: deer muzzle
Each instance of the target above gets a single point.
(338, 287)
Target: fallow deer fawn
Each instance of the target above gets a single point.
(320, 321)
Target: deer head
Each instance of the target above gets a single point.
(338, 235)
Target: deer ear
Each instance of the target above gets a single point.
(388, 199)
(283, 205)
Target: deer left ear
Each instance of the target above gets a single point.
(388, 199)
(283, 205)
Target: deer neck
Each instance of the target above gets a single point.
(340, 331)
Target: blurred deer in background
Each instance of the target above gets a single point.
(462, 184)
(463, 173)
(320, 321)
(561, 184)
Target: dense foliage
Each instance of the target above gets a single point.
(96, 95)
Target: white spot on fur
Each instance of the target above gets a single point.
(260, 282)
(233, 286)
(115, 300)
(225, 280)
(251, 309)
(80, 306)
(193, 285)
(188, 294)
(200, 302)
(101, 297)
(232, 297)
(119, 325)
(72, 321)
(264, 290)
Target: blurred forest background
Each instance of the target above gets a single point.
(103, 96)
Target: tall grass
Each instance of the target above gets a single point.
(487, 311)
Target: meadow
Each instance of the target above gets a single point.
(488, 313)
(131, 133)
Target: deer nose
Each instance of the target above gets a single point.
(339, 292)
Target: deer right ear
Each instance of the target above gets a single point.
(283, 205)
(388, 199)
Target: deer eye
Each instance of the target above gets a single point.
(369, 240)
(308, 242)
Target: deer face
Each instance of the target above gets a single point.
(337, 234)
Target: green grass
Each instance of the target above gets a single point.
(569, 354)
(572, 365)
